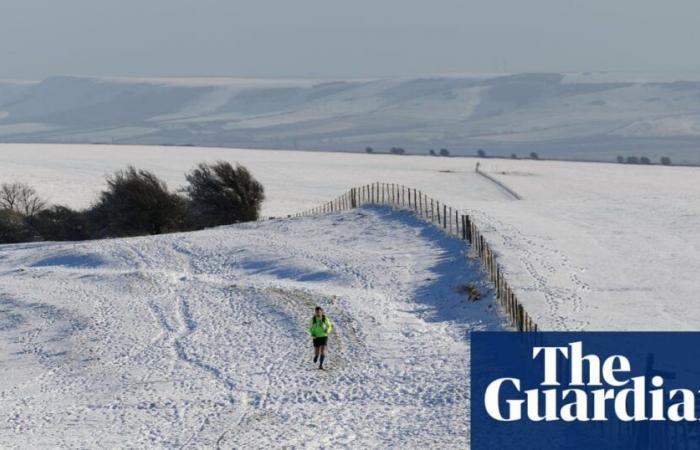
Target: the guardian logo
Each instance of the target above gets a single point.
(593, 390)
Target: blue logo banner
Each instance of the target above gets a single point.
(585, 390)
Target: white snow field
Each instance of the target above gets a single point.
(197, 340)
(589, 246)
(590, 116)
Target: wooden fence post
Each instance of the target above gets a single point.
(468, 226)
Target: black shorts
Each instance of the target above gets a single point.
(319, 341)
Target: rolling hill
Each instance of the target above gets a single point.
(570, 116)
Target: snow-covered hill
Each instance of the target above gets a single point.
(589, 246)
(197, 340)
(584, 116)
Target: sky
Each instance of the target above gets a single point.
(278, 38)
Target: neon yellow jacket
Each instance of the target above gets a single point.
(320, 327)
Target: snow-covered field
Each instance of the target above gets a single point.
(594, 116)
(197, 340)
(589, 246)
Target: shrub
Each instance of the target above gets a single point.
(632, 160)
(12, 227)
(397, 151)
(534, 155)
(432, 152)
(59, 223)
(369, 150)
(20, 198)
(221, 194)
(136, 203)
(665, 160)
(513, 156)
(644, 160)
(481, 153)
(620, 159)
(444, 152)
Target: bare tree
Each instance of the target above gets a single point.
(20, 198)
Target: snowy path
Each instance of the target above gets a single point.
(197, 340)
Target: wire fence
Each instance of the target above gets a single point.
(450, 220)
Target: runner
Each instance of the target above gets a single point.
(319, 327)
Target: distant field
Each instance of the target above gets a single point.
(575, 116)
(589, 246)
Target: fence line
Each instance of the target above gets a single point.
(450, 220)
(498, 183)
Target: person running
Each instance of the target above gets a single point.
(319, 327)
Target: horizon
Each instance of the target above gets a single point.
(651, 75)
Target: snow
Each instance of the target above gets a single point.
(590, 116)
(197, 340)
(147, 341)
(600, 246)
(589, 246)
(74, 174)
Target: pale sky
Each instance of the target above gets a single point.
(354, 38)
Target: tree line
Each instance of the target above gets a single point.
(135, 203)
(402, 151)
(664, 160)
(481, 153)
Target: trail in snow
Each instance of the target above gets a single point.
(198, 340)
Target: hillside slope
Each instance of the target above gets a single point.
(580, 116)
(197, 340)
(589, 246)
